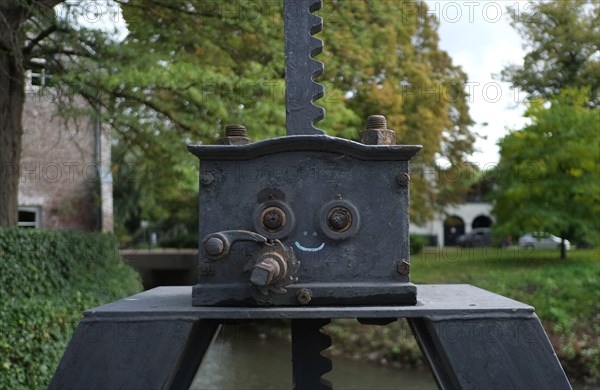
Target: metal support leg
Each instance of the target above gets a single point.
(491, 351)
(308, 363)
(134, 352)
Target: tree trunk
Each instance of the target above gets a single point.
(563, 249)
(12, 99)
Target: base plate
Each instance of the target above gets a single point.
(321, 294)
(433, 300)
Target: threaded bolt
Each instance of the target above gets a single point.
(236, 131)
(376, 122)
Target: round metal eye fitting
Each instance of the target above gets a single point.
(273, 219)
(339, 219)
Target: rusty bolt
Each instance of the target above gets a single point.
(214, 246)
(235, 135)
(376, 122)
(236, 131)
(207, 179)
(339, 219)
(403, 179)
(377, 133)
(272, 218)
(403, 267)
(304, 296)
(265, 272)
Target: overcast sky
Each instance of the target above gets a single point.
(478, 37)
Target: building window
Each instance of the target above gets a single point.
(37, 75)
(30, 217)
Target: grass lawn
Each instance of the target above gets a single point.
(565, 294)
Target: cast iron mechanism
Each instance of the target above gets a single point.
(271, 268)
(305, 219)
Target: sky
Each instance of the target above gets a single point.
(476, 34)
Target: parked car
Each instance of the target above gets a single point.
(542, 240)
(476, 237)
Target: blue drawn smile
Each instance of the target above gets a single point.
(305, 249)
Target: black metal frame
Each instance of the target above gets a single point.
(471, 338)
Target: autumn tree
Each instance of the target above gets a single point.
(188, 68)
(378, 58)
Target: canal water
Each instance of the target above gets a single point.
(246, 359)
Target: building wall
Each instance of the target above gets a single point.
(467, 212)
(59, 169)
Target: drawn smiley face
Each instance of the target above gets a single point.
(336, 220)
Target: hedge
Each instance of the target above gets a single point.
(47, 280)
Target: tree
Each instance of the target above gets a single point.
(15, 51)
(188, 68)
(549, 172)
(563, 40)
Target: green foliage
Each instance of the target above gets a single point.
(417, 243)
(564, 293)
(47, 280)
(186, 70)
(562, 39)
(548, 175)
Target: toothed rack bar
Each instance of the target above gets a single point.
(300, 68)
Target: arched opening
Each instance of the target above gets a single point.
(481, 221)
(454, 227)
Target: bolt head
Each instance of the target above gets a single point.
(304, 296)
(206, 269)
(265, 272)
(207, 179)
(403, 267)
(403, 179)
(273, 219)
(260, 277)
(339, 219)
(214, 246)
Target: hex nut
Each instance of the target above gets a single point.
(403, 267)
(304, 296)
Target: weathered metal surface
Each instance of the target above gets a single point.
(434, 300)
(156, 339)
(300, 24)
(377, 132)
(308, 365)
(134, 352)
(477, 352)
(346, 241)
(304, 143)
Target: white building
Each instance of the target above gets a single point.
(458, 219)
